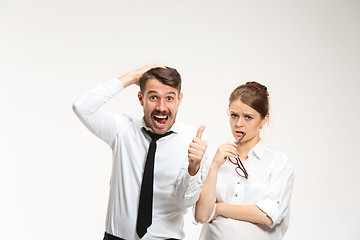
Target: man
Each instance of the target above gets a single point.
(155, 175)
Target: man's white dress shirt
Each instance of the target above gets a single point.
(269, 187)
(174, 189)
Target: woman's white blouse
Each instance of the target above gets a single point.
(269, 186)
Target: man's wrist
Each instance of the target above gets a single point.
(128, 79)
(193, 168)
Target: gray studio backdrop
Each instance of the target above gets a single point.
(54, 174)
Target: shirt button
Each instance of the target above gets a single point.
(235, 195)
(238, 182)
(278, 202)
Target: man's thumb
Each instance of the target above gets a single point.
(200, 131)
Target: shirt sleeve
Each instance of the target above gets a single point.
(188, 187)
(277, 203)
(87, 109)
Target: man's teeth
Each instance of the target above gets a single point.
(160, 119)
(160, 116)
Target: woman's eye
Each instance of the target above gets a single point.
(234, 116)
(248, 118)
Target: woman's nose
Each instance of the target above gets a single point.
(240, 122)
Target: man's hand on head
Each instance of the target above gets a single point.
(133, 77)
(196, 152)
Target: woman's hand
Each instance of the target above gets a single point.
(228, 149)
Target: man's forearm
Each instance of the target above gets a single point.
(87, 108)
(89, 102)
(129, 79)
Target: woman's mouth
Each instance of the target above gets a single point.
(241, 135)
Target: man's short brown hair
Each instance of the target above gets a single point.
(168, 76)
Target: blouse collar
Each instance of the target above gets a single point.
(258, 150)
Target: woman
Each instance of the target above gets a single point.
(246, 194)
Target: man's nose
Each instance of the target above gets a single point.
(161, 106)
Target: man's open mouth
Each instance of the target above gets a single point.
(160, 119)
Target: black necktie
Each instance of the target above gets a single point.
(144, 218)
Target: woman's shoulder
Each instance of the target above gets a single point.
(276, 155)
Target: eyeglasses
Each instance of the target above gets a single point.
(240, 169)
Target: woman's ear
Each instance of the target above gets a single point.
(264, 121)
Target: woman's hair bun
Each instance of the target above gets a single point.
(259, 86)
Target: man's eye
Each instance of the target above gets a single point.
(153, 98)
(170, 98)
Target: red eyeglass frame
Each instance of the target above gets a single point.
(238, 163)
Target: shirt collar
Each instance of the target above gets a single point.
(258, 150)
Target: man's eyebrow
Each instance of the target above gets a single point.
(152, 92)
(155, 92)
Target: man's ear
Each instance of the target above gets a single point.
(140, 97)
(180, 98)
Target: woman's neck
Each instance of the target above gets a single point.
(245, 147)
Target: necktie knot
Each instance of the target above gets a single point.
(155, 136)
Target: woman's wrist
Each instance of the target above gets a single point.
(215, 166)
(219, 209)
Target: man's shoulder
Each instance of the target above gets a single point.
(127, 119)
(183, 128)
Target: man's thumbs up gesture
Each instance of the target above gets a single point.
(196, 151)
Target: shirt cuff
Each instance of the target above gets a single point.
(209, 219)
(212, 214)
(194, 182)
(271, 209)
(114, 85)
